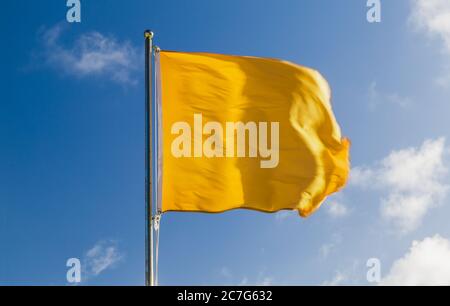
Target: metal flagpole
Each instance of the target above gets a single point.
(149, 276)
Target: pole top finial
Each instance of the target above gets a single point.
(148, 34)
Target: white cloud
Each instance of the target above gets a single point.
(338, 280)
(413, 180)
(337, 209)
(327, 248)
(285, 214)
(395, 98)
(104, 255)
(334, 207)
(92, 54)
(261, 280)
(427, 263)
(432, 17)
(265, 281)
(443, 81)
(225, 272)
(361, 176)
(347, 275)
(376, 97)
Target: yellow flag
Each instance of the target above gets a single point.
(246, 132)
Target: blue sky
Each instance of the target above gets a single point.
(72, 143)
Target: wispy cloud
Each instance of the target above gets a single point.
(338, 279)
(102, 256)
(443, 81)
(327, 248)
(413, 182)
(285, 214)
(337, 209)
(225, 273)
(377, 98)
(261, 279)
(427, 263)
(432, 17)
(92, 54)
(349, 274)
